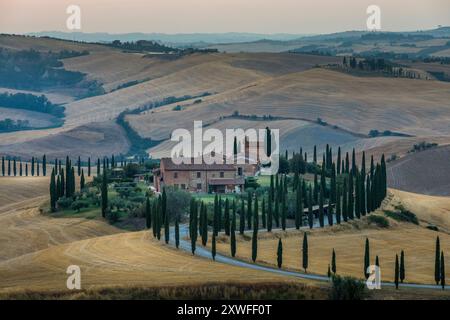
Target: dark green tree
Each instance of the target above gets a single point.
(82, 181)
(177, 232)
(213, 247)
(104, 194)
(310, 209)
(249, 210)
(396, 272)
(53, 196)
(233, 231)
(227, 217)
(263, 212)
(242, 218)
(89, 166)
(402, 266)
(437, 262)
(44, 165)
(280, 254)
(305, 252)
(148, 214)
(333, 262)
(442, 271)
(366, 258)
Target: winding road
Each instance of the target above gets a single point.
(203, 252)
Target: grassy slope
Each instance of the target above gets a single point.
(348, 241)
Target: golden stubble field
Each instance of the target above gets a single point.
(348, 240)
(35, 250)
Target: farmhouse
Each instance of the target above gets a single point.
(218, 178)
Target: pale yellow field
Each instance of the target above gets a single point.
(35, 250)
(348, 240)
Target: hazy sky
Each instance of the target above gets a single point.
(188, 16)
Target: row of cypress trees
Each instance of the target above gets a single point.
(62, 183)
(15, 167)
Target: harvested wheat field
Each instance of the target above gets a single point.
(418, 244)
(126, 259)
(425, 172)
(348, 240)
(24, 229)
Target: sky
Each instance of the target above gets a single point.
(217, 16)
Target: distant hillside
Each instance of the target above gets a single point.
(180, 39)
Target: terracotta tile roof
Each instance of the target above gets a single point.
(170, 166)
(226, 181)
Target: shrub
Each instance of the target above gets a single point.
(347, 288)
(113, 216)
(403, 215)
(79, 204)
(380, 221)
(64, 202)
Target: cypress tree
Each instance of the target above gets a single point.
(233, 231)
(32, 167)
(193, 226)
(242, 218)
(148, 214)
(316, 189)
(363, 205)
(89, 166)
(254, 244)
(338, 161)
(263, 212)
(79, 166)
(377, 261)
(442, 271)
(368, 196)
(20, 169)
(353, 162)
(310, 210)
(98, 167)
(227, 217)
(269, 213)
(82, 181)
(249, 210)
(177, 233)
(330, 213)
(213, 247)
(159, 219)
(256, 214)
(9, 168)
(72, 187)
(277, 211)
(350, 209)
(347, 163)
(204, 224)
(357, 196)
(321, 210)
(63, 183)
(366, 258)
(315, 155)
(338, 206)
(104, 194)
(305, 252)
(299, 206)
(14, 167)
(166, 225)
(283, 213)
(402, 266)
(26, 169)
(437, 262)
(329, 271)
(344, 201)
(280, 254)
(44, 165)
(3, 166)
(164, 204)
(37, 168)
(53, 192)
(58, 188)
(396, 272)
(333, 262)
(216, 215)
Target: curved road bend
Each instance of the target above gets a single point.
(203, 252)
